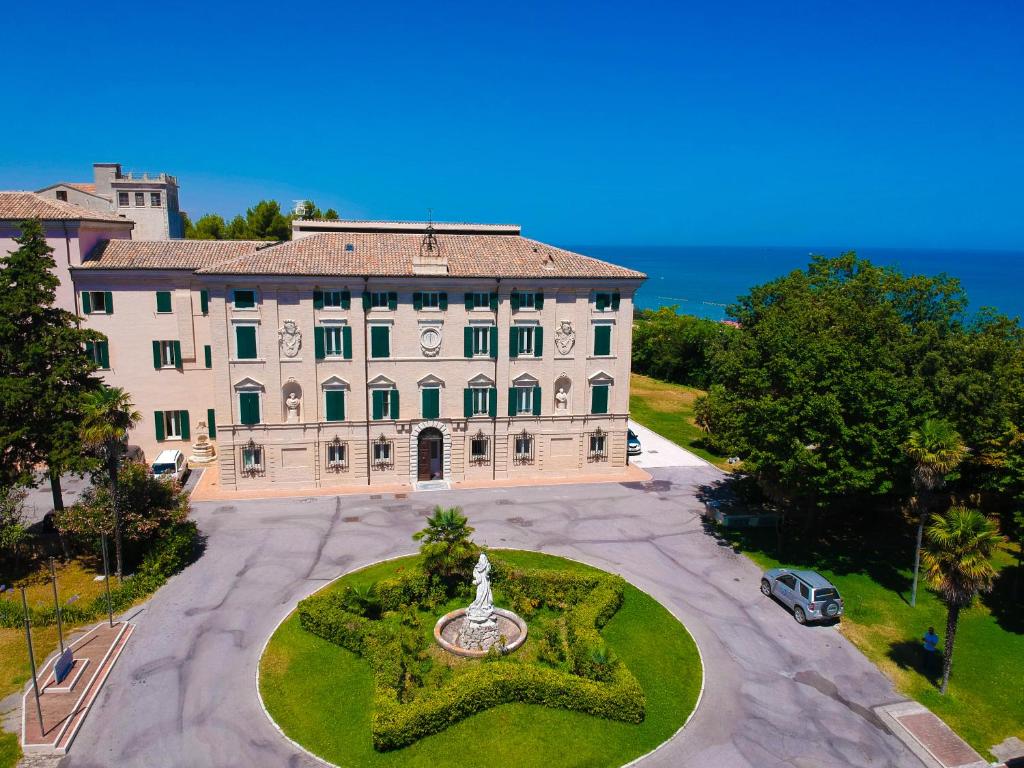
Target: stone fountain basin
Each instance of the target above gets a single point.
(446, 631)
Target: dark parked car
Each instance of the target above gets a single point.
(633, 447)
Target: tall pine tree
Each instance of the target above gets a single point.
(44, 370)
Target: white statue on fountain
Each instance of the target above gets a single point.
(482, 608)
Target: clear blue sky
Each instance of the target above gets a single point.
(733, 123)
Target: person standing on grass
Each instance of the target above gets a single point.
(931, 650)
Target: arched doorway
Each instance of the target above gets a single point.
(430, 455)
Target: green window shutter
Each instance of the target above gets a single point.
(513, 342)
(346, 299)
(511, 401)
(366, 301)
(157, 362)
(494, 342)
(318, 299)
(245, 299)
(600, 301)
(211, 423)
(87, 303)
(378, 404)
(417, 301)
(177, 355)
(467, 402)
(392, 300)
(431, 403)
(615, 301)
(318, 342)
(380, 341)
(245, 338)
(538, 300)
(514, 300)
(335, 405)
(492, 402)
(346, 342)
(468, 299)
(90, 350)
(599, 399)
(442, 301)
(467, 341)
(204, 302)
(538, 342)
(158, 421)
(163, 301)
(537, 402)
(186, 430)
(494, 302)
(249, 407)
(108, 299)
(602, 339)
(104, 350)
(394, 404)
(208, 355)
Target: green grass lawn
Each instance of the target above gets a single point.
(10, 752)
(320, 694)
(985, 702)
(668, 410)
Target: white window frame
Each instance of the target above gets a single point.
(481, 401)
(252, 458)
(334, 335)
(473, 455)
(123, 199)
(385, 403)
(155, 200)
(482, 332)
(93, 303)
(532, 304)
(430, 299)
(524, 400)
(140, 199)
(381, 452)
(527, 446)
(525, 332)
(599, 445)
(337, 461)
(172, 425)
(379, 300)
(482, 300)
(332, 299)
(167, 355)
(234, 333)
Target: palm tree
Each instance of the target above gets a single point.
(447, 549)
(958, 565)
(107, 416)
(936, 450)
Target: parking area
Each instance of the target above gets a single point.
(659, 451)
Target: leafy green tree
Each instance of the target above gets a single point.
(237, 229)
(109, 414)
(1004, 457)
(830, 370)
(264, 221)
(209, 227)
(936, 450)
(331, 215)
(44, 371)
(447, 549)
(674, 347)
(13, 531)
(958, 565)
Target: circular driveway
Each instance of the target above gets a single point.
(183, 692)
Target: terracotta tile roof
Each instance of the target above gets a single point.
(18, 206)
(84, 186)
(168, 254)
(389, 254)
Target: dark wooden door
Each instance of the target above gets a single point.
(423, 459)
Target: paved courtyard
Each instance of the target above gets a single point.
(777, 694)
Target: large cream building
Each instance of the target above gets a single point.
(368, 353)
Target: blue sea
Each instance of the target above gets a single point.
(704, 280)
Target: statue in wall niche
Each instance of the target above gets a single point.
(292, 407)
(565, 337)
(561, 400)
(290, 337)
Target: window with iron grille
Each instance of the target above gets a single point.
(154, 199)
(140, 199)
(597, 446)
(523, 453)
(252, 459)
(479, 449)
(122, 199)
(337, 455)
(383, 453)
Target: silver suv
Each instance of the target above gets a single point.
(808, 594)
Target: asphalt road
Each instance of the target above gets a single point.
(777, 694)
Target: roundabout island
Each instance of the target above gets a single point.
(410, 663)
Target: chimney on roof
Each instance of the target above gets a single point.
(104, 174)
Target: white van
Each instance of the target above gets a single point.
(170, 464)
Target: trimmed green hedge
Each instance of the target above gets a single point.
(169, 554)
(598, 685)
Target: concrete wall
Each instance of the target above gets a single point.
(78, 197)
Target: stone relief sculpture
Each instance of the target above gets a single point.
(565, 337)
(561, 400)
(430, 341)
(290, 337)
